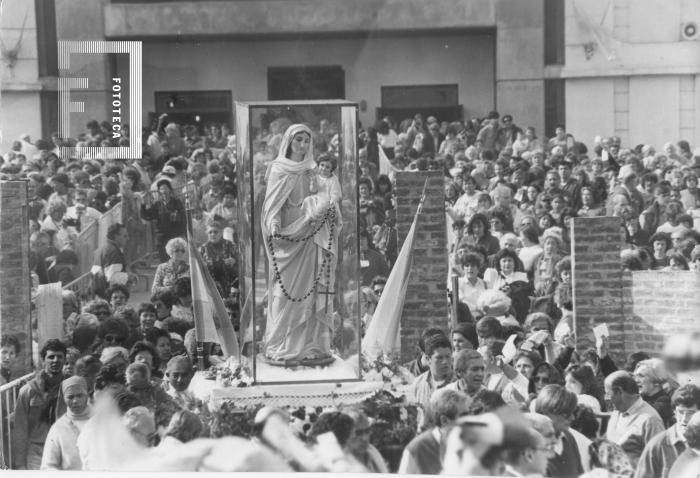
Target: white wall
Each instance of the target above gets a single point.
(20, 113)
(369, 64)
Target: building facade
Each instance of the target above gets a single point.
(602, 67)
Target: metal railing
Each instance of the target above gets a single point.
(8, 399)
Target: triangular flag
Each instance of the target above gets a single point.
(382, 334)
(211, 320)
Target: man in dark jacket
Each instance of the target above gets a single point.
(38, 405)
(169, 214)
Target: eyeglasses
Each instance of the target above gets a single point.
(180, 250)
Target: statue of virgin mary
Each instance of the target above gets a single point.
(300, 230)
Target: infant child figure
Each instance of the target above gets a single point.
(326, 187)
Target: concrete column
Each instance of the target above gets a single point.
(15, 282)
(520, 61)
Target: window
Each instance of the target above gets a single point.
(195, 107)
(306, 83)
(441, 101)
(554, 104)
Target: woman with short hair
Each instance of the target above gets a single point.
(175, 267)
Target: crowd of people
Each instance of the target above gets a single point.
(509, 365)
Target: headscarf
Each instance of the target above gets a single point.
(287, 165)
(110, 353)
(71, 385)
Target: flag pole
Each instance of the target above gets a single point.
(188, 219)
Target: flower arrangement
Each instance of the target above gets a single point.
(232, 373)
(394, 424)
(386, 368)
(232, 420)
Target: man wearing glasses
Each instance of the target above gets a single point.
(530, 459)
(663, 450)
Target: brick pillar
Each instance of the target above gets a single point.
(426, 299)
(15, 282)
(598, 280)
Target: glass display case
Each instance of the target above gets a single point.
(297, 169)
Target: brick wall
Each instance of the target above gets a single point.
(597, 280)
(426, 302)
(658, 304)
(641, 308)
(15, 282)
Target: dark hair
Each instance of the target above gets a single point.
(554, 375)
(145, 307)
(153, 334)
(485, 401)
(633, 359)
(164, 182)
(555, 400)
(383, 179)
(113, 230)
(489, 327)
(10, 341)
(585, 422)
(54, 345)
(531, 234)
(688, 395)
(479, 218)
(468, 331)
(182, 287)
(118, 288)
(378, 280)
(339, 423)
(427, 333)
(127, 400)
(165, 296)
(679, 258)
(109, 375)
(626, 383)
(87, 365)
(503, 253)
(473, 259)
(435, 342)
(113, 326)
(586, 377)
(143, 346)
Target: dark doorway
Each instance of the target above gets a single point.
(306, 83)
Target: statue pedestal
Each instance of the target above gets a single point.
(296, 394)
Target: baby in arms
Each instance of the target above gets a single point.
(327, 191)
